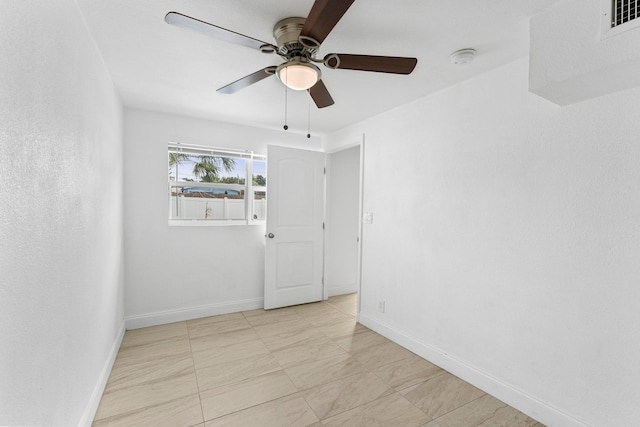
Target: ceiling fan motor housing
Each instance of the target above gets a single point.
(287, 34)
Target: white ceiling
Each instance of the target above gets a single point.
(161, 67)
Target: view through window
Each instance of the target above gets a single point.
(215, 185)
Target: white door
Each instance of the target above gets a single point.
(295, 215)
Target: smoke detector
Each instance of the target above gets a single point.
(463, 56)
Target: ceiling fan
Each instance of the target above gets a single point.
(297, 42)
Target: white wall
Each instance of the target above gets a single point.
(176, 273)
(342, 219)
(517, 268)
(61, 253)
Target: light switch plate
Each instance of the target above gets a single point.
(368, 217)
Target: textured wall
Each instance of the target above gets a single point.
(61, 272)
(518, 265)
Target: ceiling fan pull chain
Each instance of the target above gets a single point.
(286, 97)
(309, 118)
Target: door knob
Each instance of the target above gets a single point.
(271, 235)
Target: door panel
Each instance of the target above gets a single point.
(295, 264)
(295, 215)
(297, 203)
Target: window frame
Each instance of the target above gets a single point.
(248, 187)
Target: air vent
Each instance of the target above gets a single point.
(619, 16)
(623, 11)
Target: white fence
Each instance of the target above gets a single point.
(210, 208)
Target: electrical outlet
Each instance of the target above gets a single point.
(381, 306)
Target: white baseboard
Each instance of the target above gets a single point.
(92, 407)
(170, 316)
(342, 290)
(535, 408)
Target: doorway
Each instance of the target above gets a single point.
(343, 213)
(297, 272)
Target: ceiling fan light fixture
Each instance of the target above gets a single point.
(298, 75)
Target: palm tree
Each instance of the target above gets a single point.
(175, 159)
(209, 168)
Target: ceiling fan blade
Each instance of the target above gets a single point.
(247, 80)
(379, 64)
(184, 21)
(324, 15)
(320, 95)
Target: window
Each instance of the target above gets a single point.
(216, 186)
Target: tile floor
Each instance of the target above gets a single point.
(309, 365)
